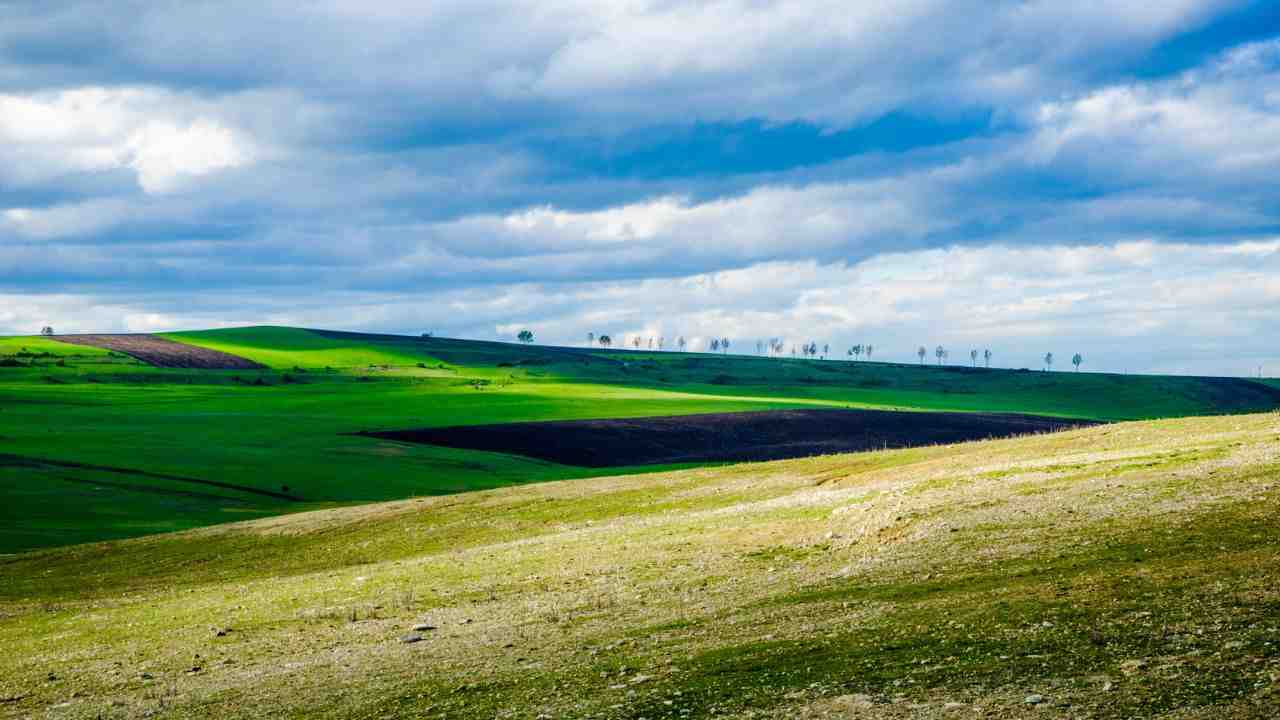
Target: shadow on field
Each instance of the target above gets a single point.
(745, 436)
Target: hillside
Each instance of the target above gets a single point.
(1128, 570)
(95, 445)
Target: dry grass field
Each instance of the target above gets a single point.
(1129, 570)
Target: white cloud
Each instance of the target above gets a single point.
(829, 61)
(1222, 119)
(164, 154)
(165, 139)
(855, 218)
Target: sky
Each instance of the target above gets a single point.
(1029, 176)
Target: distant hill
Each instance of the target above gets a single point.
(97, 444)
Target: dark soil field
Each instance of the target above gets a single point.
(735, 437)
(162, 352)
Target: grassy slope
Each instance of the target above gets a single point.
(1129, 571)
(112, 411)
(1083, 395)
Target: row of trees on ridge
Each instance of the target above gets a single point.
(774, 347)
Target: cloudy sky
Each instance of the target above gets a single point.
(1097, 176)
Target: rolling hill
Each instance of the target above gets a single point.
(97, 445)
(1127, 570)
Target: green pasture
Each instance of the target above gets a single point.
(287, 427)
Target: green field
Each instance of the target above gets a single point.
(95, 445)
(1123, 571)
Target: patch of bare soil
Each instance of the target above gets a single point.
(162, 352)
(733, 437)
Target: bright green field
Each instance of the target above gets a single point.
(63, 404)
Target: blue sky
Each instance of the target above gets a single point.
(1025, 175)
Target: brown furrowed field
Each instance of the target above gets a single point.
(162, 352)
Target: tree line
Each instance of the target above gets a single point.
(776, 347)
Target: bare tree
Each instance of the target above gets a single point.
(1077, 360)
(986, 354)
(921, 352)
(525, 336)
(1048, 362)
(941, 352)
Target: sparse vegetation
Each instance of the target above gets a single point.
(1126, 571)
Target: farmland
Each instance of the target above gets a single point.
(95, 445)
(1127, 570)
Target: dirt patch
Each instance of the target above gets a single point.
(746, 436)
(162, 352)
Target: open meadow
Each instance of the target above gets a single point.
(96, 445)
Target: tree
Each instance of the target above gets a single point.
(759, 347)
(605, 341)
(591, 339)
(46, 331)
(856, 351)
(1048, 362)
(941, 352)
(986, 354)
(635, 342)
(921, 353)
(661, 341)
(826, 350)
(681, 342)
(525, 336)
(973, 356)
(724, 345)
(715, 344)
(869, 350)
(425, 335)
(1076, 360)
(650, 343)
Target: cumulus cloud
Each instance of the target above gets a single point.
(830, 61)
(1222, 119)
(164, 139)
(566, 162)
